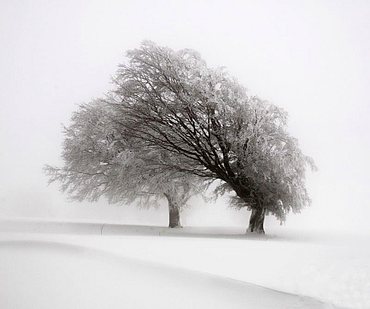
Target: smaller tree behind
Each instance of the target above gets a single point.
(99, 161)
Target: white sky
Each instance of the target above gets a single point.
(310, 57)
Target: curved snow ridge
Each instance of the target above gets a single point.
(53, 274)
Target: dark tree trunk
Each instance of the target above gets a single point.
(256, 221)
(174, 213)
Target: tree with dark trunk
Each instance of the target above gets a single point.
(172, 101)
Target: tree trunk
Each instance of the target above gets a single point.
(256, 221)
(174, 213)
(174, 216)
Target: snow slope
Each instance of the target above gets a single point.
(41, 274)
(334, 270)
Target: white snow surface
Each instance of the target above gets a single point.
(90, 265)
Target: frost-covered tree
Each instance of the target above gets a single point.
(100, 161)
(172, 101)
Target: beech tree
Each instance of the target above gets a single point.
(172, 101)
(100, 161)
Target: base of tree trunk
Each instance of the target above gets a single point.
(256, 221)
(174, 217)
(173, 211)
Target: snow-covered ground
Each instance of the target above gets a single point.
(89, 265)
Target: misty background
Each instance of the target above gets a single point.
(309, 57)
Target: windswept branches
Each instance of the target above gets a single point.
(173, 101)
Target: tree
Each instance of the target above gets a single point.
(173, 102)
(100, 161)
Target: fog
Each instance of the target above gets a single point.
(309, 57)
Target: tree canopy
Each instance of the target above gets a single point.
(99, 161)
(175, 102)
(174, 117)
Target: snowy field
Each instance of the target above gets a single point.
(89, 265)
